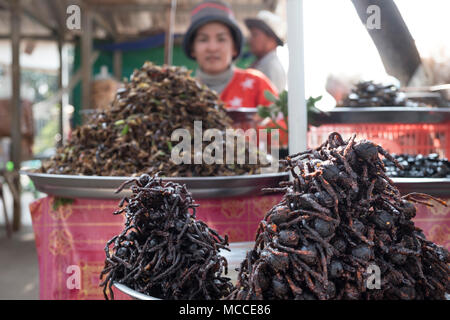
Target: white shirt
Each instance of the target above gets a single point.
(271, 66)
(217, 82)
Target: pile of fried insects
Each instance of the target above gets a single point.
(134, 136)
(341, 217)
(164, 251)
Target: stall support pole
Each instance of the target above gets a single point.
(86, 52)
(60, 86)
(117, 64)
(16, 112)
(297, 121)
(168, 42)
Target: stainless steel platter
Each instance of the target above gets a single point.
(237, 253)
(103, 187)
(384, 115)
(133, 293)
(439, 187)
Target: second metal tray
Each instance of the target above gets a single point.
(237, 253)
(103, 187)
(384, 115)
(439, 187)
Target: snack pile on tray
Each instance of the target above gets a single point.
(163, 250)
(134, 136)
(371, 94)
(343, 231)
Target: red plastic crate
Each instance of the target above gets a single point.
(412, 139)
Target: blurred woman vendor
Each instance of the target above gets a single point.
(214, 41)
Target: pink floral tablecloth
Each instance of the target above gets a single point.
(435, 222)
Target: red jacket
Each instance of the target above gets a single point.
(246, 89)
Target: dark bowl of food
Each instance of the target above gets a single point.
(243, 118)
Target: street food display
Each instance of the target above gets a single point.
(134, 135)
(168, 186)
(340, 217)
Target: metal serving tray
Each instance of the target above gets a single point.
(136, 295)
(103, 187)
(344, 115)
(439, 187)
(237, 253)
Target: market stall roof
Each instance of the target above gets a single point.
(113, 19)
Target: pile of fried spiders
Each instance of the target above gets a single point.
(164, 251)
(339, 217)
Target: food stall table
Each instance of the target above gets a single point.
(71, 237)
(71, 234)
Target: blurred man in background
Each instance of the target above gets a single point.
(267, 32)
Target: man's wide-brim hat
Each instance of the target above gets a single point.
(212, 11)
(270, 23)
